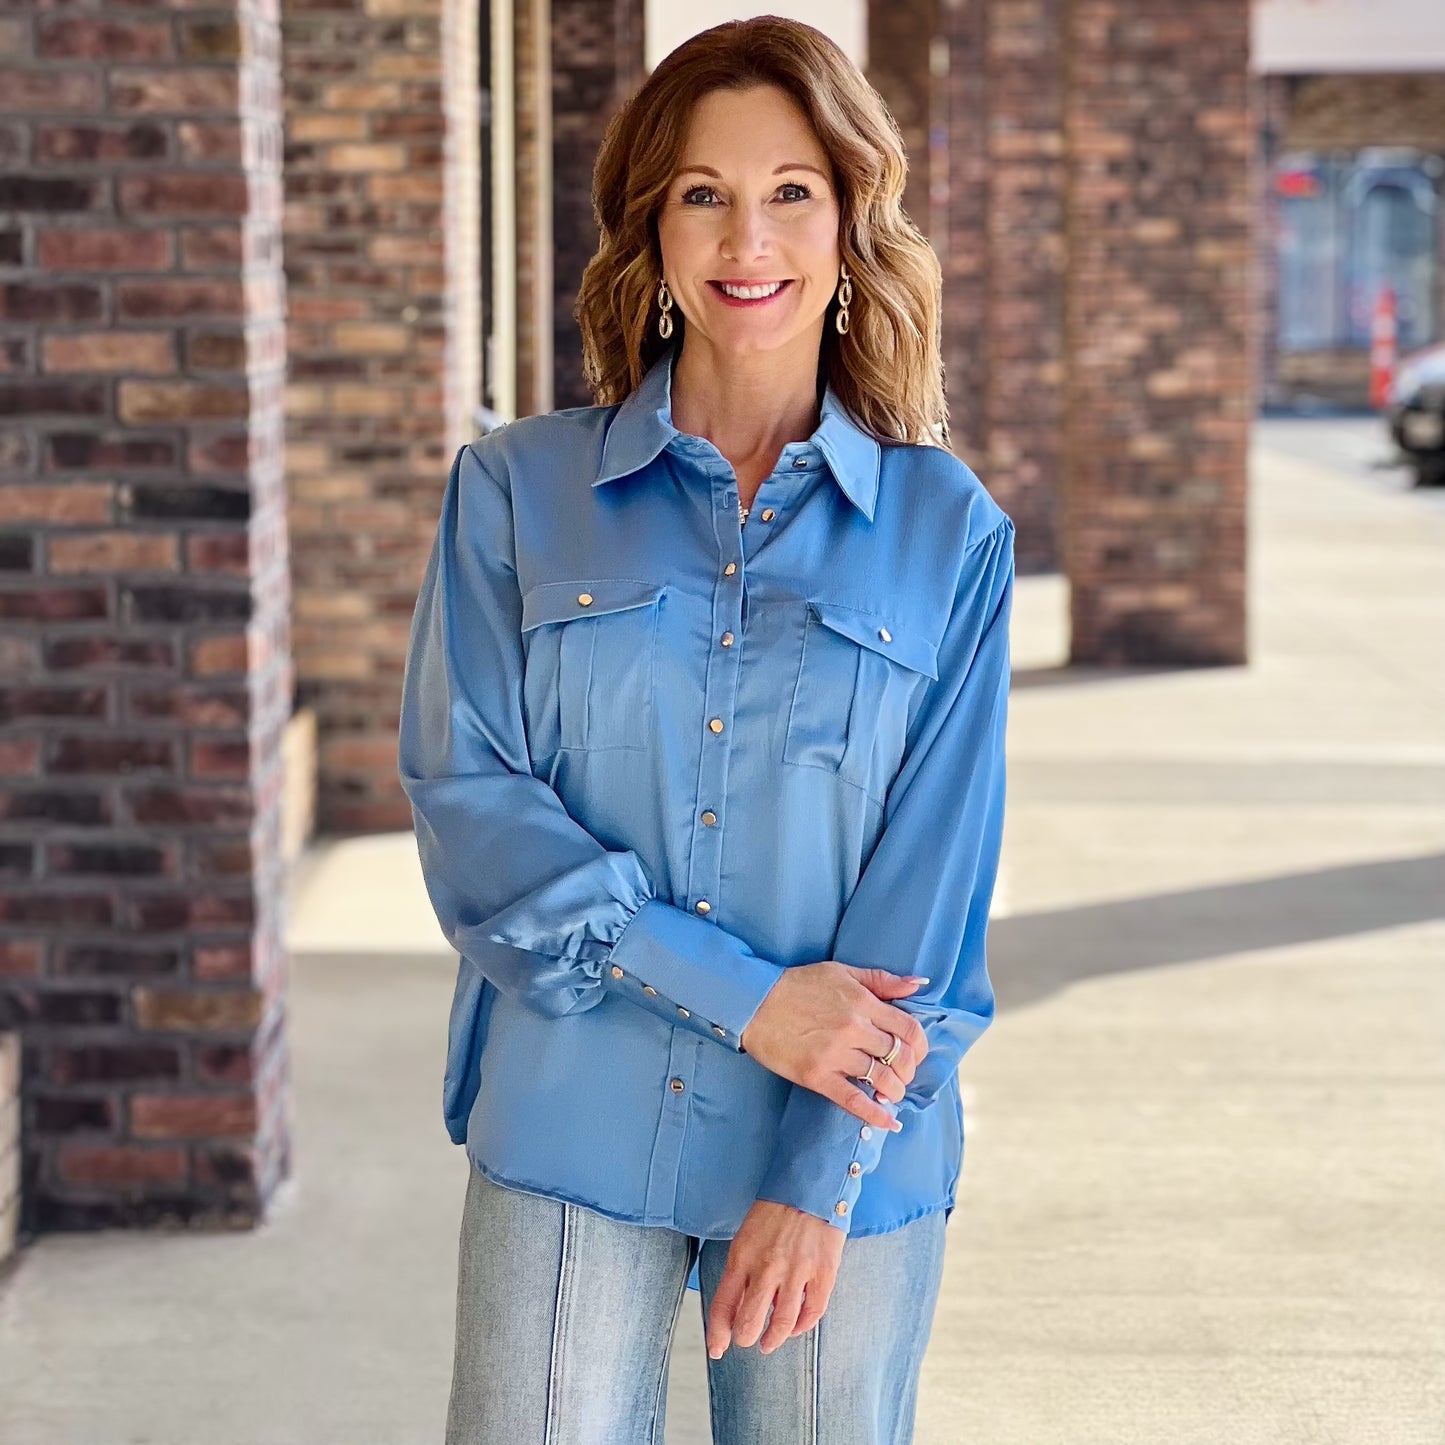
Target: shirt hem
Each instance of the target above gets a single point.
(496, 1177)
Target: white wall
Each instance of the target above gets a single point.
(670, 22)
(1306, 37)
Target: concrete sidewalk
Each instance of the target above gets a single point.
(1204, 1191)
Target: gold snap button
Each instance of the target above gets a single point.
(727, 639)
(616, 972)
(730, 569)
(709, 817)
(885, 634)
(768, 514)
(841, 1207)
(678, 1086)
(800, 461)
(865, 1132)
(585, 598)
(703, 906)
(683, 1012)
(720, 1031)
(716, 724)
(648, 989)
(855, 1168)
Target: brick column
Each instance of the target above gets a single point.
(384, 346)
(976, 89)
(1159, 329)
(145, 674)
(598, 60)
(1023, 381)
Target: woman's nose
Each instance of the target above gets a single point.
(747, 227)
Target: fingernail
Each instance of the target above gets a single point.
(897, 1127)
(917, 978)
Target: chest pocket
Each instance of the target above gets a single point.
(856, 679)
(590, 663)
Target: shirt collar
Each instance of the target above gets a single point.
(642, 428)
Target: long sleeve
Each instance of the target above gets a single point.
(921, 904)
(531, 901)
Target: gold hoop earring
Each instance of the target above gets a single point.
(664, 301)
(845, 295)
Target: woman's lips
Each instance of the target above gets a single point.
(744, 301)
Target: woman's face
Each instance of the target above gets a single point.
(752, 201)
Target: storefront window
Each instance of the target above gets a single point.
(1349, 225)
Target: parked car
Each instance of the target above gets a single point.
(1415, 412)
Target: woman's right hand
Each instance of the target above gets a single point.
(821, 1023)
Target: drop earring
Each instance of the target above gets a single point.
(664, 301)
(845, 295)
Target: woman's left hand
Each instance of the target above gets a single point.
(778, 1253)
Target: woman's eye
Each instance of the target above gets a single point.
(692, 191)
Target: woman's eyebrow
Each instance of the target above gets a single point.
(777, 170)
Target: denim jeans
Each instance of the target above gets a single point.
(565, 1321)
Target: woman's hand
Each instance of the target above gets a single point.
(781, 1258)
(821, 1024)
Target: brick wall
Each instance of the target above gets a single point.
(976, 89)
(144, 667)
(598, 59)
(1158, 317)
(1094, 165)
(384, 355)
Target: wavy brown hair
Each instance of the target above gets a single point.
(888, 369)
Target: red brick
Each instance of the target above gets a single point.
(111, 552)
(173, 90)
(192, 1116)
(142, 140)
(225, 859)
(220, 296)
(184, 194)
(220, 758)
(211, 142)
(119, 1165)
(218, 656)
(21, 957)
(49, 90)
(105, 250)
(101, 39)
(196, 1010)
(110, 753)
(194, 706)
(222, 961)
(209, 39)
(201, 806)
(147, 401)
(133, 351)
(219, 552)
(72, 503)
(213, 247)
(151, 654)
(56, 301)
(19, 757)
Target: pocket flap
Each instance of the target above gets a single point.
(563, 601)
(899, 641)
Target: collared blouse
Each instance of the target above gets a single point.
(656, 755)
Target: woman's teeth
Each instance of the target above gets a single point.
(751, 293)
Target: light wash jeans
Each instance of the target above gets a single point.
(565, 1321)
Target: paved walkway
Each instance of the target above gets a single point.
(1202, 1199)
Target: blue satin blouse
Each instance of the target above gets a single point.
(655, 756)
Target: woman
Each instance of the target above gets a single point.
(703, 730)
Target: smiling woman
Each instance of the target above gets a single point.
(712, 812)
